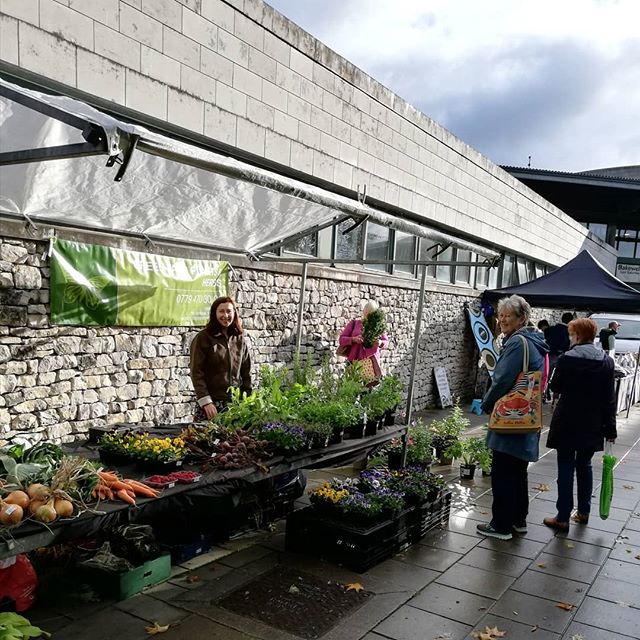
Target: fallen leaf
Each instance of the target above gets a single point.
(569, 545)
(628, 486)
(577, 636)
(542, 487)
(489, 633)
(565, 606)
(542, 565)
(534, 628)
(354, 586)
(637, 557)
(623, 604)
(157, 628)
(483, 513)
(294, 589)
(192, 579)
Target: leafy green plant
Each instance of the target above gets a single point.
(470, 450)
(373, 326)
(390, 391)
(421, 443)
(17, 627)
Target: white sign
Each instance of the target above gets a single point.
(628, 272)
(443, 387)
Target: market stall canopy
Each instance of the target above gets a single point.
(53, 151)
(582, 283)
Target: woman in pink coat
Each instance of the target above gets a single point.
(351, 340)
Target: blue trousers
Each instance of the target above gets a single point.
(510, 491)
(574, 462)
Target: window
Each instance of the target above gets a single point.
(598, 229)
(427, 252)
(443, 273)
(493, 278)
(482, 274)
(522, 271)
(627, 243)
(508, 271)
(405, 250)
(307, 245)
(377, 245)
(539, 270)
(463, 274)
(348, 246)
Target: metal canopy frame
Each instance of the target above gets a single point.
(119, 140)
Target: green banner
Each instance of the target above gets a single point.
(97, 285)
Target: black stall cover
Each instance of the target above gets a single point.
(583, 284)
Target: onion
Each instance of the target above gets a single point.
(38, 492)
(34, 505)
(63, 508)
(46, 513)
(11, 514)
(18, 497)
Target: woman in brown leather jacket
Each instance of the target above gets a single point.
(220, 359)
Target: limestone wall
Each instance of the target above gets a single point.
(56, 381)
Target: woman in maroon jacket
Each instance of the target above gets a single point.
(584, 416)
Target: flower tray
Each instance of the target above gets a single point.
(357, 547)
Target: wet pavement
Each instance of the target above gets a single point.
(582, 585)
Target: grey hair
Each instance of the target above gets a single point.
(517, 305)
(370, 306)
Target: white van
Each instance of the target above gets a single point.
(628, 337)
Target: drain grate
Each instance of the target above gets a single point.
(296, 602)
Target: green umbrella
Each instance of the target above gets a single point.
(606, 488)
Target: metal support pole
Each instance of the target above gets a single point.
(303, 284)
(416, 340)
(631, 394)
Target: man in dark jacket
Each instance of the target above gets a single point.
(585, 415)
(608, 337)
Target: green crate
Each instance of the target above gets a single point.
(124, 585)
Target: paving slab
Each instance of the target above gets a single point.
(103, 625)
(619, 570)
(409, 623)
(587, 632)
(478, 581)
(517, 546)
(198, 628)
(532, 611)
(152, 610)
(450, 540)
(608, 588)
(565, 567)
(496, 561)
(429, 557)
(452, 603)
(577, 550)
(513, 630)
(615, 618)
(552, 587)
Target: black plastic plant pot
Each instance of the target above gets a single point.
(486, 473)
(394, 460)
(113, 458)
(467, 471)
(356, 430)
(371, 428)
(161, 467)
(390, 418)
(337, 436)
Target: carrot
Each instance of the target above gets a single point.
(125, 497)
(143, 490)
(108, 476)
(108, 493)
(119, 485)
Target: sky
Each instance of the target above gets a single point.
(557, 80)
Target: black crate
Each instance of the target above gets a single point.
(356, 547)
(429, 515)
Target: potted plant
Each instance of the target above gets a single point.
(485, 458)
(318, 434)
(469, 451)
(112, 449)
(420, 451)
(390, 392)
(157, 455)
(447, 431)
(284, 439)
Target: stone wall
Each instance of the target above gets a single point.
(56, 381)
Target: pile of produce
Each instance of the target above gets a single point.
(222, 448)
(111, 487)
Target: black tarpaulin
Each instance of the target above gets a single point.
(583, 283)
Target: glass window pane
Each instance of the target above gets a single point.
(539, 270)
(307, 245)
(625, 249)
(531, 270)
(508, 271)
(444, 273)
(377, 245)
(427, 249)
(522, 271)
(463, 273)
(599, 229)
(493, 278)
(405, 250)
(482, 276)
(348, 246)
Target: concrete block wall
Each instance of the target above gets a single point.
(240, 73)
(57, 381)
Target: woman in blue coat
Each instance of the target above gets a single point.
(511, 453)
(584, 416)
